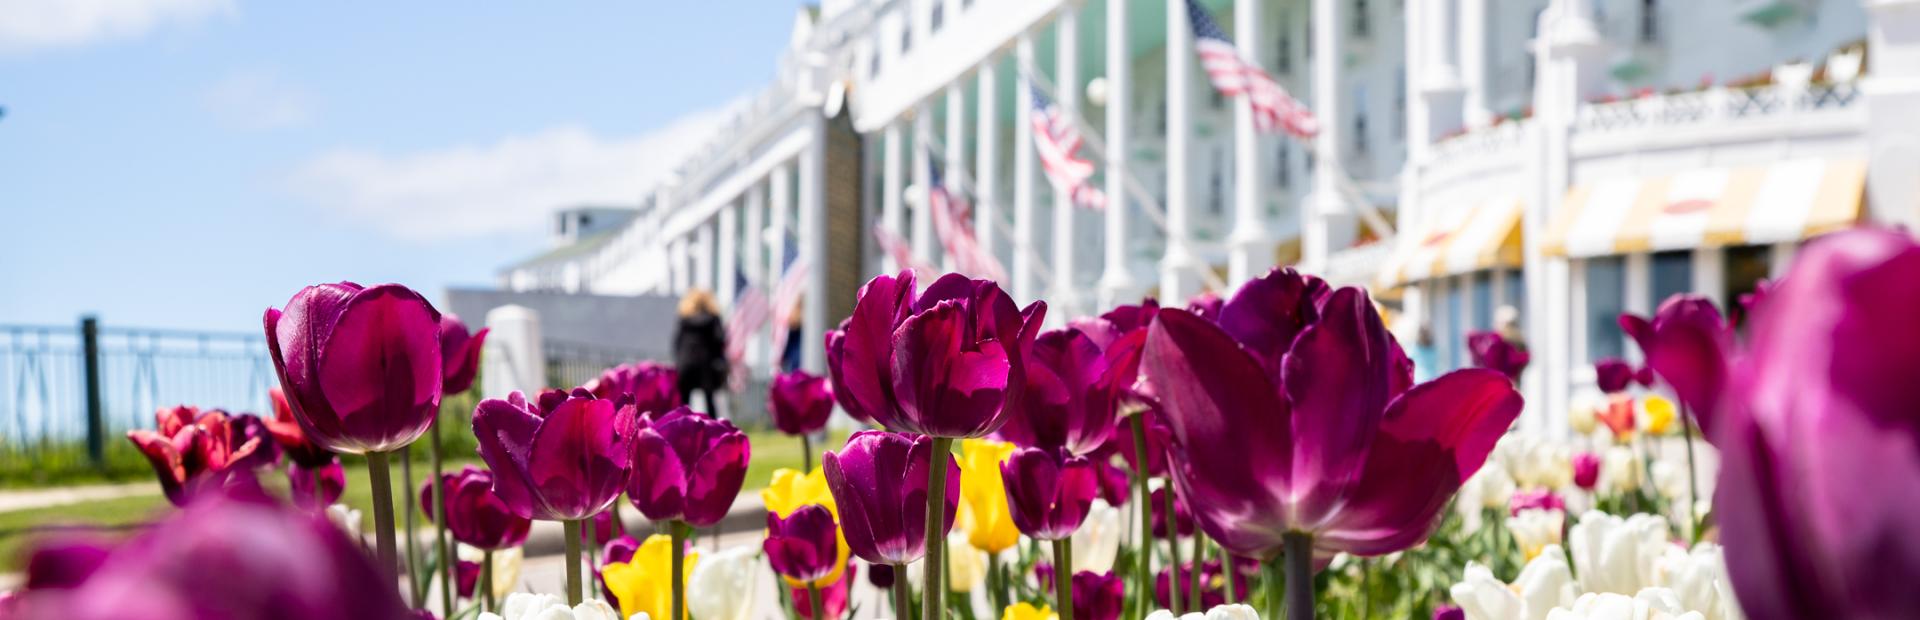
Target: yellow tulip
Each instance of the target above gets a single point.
(1657, 414)
(1026, 611)
(645, 584)
(983, 496)
(788, 491)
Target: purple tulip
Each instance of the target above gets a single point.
(1586, 470)
(1048, 491)
(1492, 351)
(1688, 345)
(361, 366)
(65, 560)
(1097, 596)
(1115, 486)
(1182, 517)
(1076, 378)
(562, 462)
(1206, 305)
(654, 386)
(1535, 499)
(803, 546)
(1449, 612)
(939, 363)
(1820, 476)
(880, 575)
(475, 515)
(244, 428)
(1612, 375)
(1297, 414)
(193, 450)
(619, 550)
(219, 558)
(466, 576)
(331, 479)
(459, 354)
(879, 482)
(799, 402)
(688, 467)
(1213, 586)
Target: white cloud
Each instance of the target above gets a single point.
(31, 25)
(259, 100)
(507, 187)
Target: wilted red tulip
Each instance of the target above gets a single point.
(563, 463)
(459, 354)
(687, 467)
(799, 402)
(192, 450)
(879, 483)
(360, 365)
(475, 515)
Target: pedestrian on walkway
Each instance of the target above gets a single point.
(699, 349)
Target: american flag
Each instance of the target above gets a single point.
(748, 315)
(1231, 74)
(953, 222)
(1057, 139)
(785, 295)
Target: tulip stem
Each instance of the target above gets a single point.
(1063, 578)
(1199, 566)
(414, 587)
(1299, 567)
(570, 530)
(1173, 545)
(813, 601)
(936, 510)
(448, 579)
(806, 452)
(484, 591)
(1693, 483)
(1227, 566)
(1143, 590)
(996, 584)
(381, 480)
(319, 494)
(678, 534)
(902, 592)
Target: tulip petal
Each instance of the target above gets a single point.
(866, 363)
(948, 386)
(575, 461)
(506, 434)
(1337, 378)
(380, 369)
(716, 480)
(1432, 438)
(658, 485)
(1269, 312)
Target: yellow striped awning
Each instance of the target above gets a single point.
(1708, 207)
(1483, 236)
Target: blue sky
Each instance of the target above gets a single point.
(187, 163)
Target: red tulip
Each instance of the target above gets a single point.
(192, 450)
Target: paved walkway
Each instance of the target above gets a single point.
(28, 499)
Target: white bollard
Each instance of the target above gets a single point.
(514, 358)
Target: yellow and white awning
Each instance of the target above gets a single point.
(1708, 207)
(1484, 236)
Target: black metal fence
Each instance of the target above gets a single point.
(62, 386)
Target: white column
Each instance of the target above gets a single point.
(781, 187)
(1439, 83)
(727, 264)
(1473, 62)
(923, 241)
(813, 249)
(1116, 280)
(1024, 288)
(1709, 276)
(1063, 301)
(1893, 130)
(892, 216)
(986, 146)
(1325, 202)
(703, 256)
(754, 243)
(682, 272)
(955, 158)
(1250, 247)
(1178, 279)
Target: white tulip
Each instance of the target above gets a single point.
(1620, 470)
(1616, 555)
(1542, 464)
(1546, 582)
(1700, 580)
(1484, 597)
(721, 581)
(1221, 612)
(506, 567)
(1533, 529)
(1097, 542)
(529, 606)
(1648, 604)
(1583, 414)
(1670, 481)
(345, 518)
(1489, 488)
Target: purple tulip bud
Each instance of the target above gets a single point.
(191, 450)
(466, 575)
(799, 402)
(331, 479)
(475, 515)
(1296, 412)
(688, 467)
(1492, 351)
(1048, 491)
(879, 482)
(218, 558)
(941, 363)
(361, 366)
(653, 386)
(245, 428)
(459, 354)
(563, 466)
(1820, 471)
(1116, 487)
(1075, 380)
(1182, 517)
(1586, 470)
(1097, 596)
(803, 546)
(1612, 375)
(879, 575)
(1688, 345)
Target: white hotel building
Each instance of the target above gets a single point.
(1570, 158)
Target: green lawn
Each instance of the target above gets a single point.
(771, 450)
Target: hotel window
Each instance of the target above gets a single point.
(1649, 21)
(939, 15)
(1362, 20)
(1606, 290)
(873, 60)
(1746, 266)
(1669, 274)
(1217, 183)
(1482, 285)
(1282, 169)
(1283, 54)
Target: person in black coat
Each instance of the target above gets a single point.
(700, 349)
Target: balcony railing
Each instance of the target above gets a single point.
(1498, 138)
(1712, 104)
